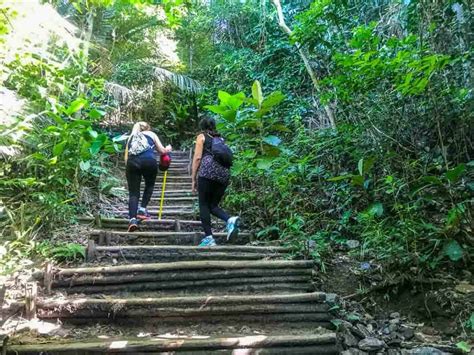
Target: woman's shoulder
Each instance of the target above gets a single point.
(150, 134)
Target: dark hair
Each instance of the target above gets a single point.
(208, 125)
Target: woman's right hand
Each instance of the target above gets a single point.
(194, 187)
(168, 148)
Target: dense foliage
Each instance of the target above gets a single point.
(60, 73)
(396, 174)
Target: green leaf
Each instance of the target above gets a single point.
(257, 92)
(224, 97)
(85, 165)
(273, 99)
(357, 180)
(235, 101)
(470, 322)
(360, 166)
(453, 250)
(376, 209)
(97, 144)
(464, 346)
(217, 109)
(76, 105)
(96, 114)
(59, 148)
(272, 140)
(264, 164)
(453, 175)
(364, 165)
(58, 119)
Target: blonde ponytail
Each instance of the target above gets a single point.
(139, 127)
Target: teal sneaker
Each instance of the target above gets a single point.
(233, 227)
(208, 242)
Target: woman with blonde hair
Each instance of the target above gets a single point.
(141, 160)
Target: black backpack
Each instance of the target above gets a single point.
(221, 152)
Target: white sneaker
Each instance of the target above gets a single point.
(208, 242)
(233, 227)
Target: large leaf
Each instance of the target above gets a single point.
(220, 110)
(464, 346)
(183, 82)
(224, 97)
(453, 250)
(264, 163)
(235, 101)
(97, 144)
(453, 175)
(257, 92)
(273, 99)
(272, 140)
(364, 165)
(76, 105)
(96, 114)
(59, 148)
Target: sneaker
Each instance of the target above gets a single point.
(233, 227)
(142, 214)
(132, 225)
(208, 242)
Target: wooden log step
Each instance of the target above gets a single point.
(199, 288)
(191, 301)
(187, 265)
(177, 224)
(261, 344)
(179, 275)
(306, 306)
(167, 253)
(114, 237)
(273, 284)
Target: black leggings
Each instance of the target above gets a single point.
(136, 168)
(210, 194)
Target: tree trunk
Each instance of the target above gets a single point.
(309, 69)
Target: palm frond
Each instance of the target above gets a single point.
(183, 82)
(121, 94)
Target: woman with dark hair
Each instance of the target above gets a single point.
(210, 180)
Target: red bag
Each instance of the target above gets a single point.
(165, 162)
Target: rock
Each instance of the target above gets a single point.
(352, 243)
(360, 331)
(464, 287)
(331, 298)
(350, 340)
(424, 350)
(394, 315)
(407, 333)
(425, 338)
(393, 352)
(353, 351)
(429, 331)
(371, 344)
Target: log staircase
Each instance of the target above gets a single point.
(155, 291)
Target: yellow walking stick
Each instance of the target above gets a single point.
(165, 161)
(162, 194)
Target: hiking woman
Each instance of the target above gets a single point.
(210, 179)
(140, 160)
